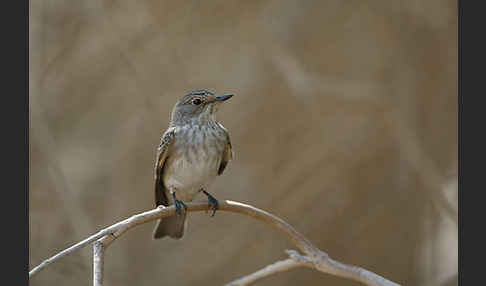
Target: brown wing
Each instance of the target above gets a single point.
(162, 152)
(227, 156)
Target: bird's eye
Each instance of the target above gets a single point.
(196, 101)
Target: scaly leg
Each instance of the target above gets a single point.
(212, 202)
(178, 204)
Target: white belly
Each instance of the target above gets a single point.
(186, 173)
(194, 160)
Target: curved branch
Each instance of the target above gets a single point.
(294, 261)
(320, 259)
(279, 266)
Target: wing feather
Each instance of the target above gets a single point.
(162, 154)
(227, 156)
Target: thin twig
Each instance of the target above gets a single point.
(294, 261)
(320, 259)
(318, 263)
(141, 218)
(98, 262)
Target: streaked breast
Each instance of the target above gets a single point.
(195, 157)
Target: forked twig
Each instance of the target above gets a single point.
(313, 257)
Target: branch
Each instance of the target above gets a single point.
(294, 261)
(98, 262)
(320, 263)
(319, 259)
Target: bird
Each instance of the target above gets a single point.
(193, 151)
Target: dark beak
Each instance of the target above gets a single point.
(222, 98)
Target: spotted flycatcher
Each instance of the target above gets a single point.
(192, 152)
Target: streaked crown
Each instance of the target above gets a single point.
(197, 107)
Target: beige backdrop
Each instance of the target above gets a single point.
(344, 124)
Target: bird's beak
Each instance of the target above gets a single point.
(221, 98)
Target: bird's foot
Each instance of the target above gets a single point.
(212, 202)
(179, 205)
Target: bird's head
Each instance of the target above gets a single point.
(197, 107)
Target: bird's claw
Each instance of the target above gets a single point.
(212, 201)
(179, 204)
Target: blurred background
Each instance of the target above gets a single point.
(344, 124)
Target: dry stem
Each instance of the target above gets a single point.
(313, 256)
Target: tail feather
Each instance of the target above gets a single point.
(173, 227)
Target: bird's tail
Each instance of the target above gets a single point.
(172, 226)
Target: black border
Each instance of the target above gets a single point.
(15, 145)
(471, 77)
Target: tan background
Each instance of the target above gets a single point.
(344, 124)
